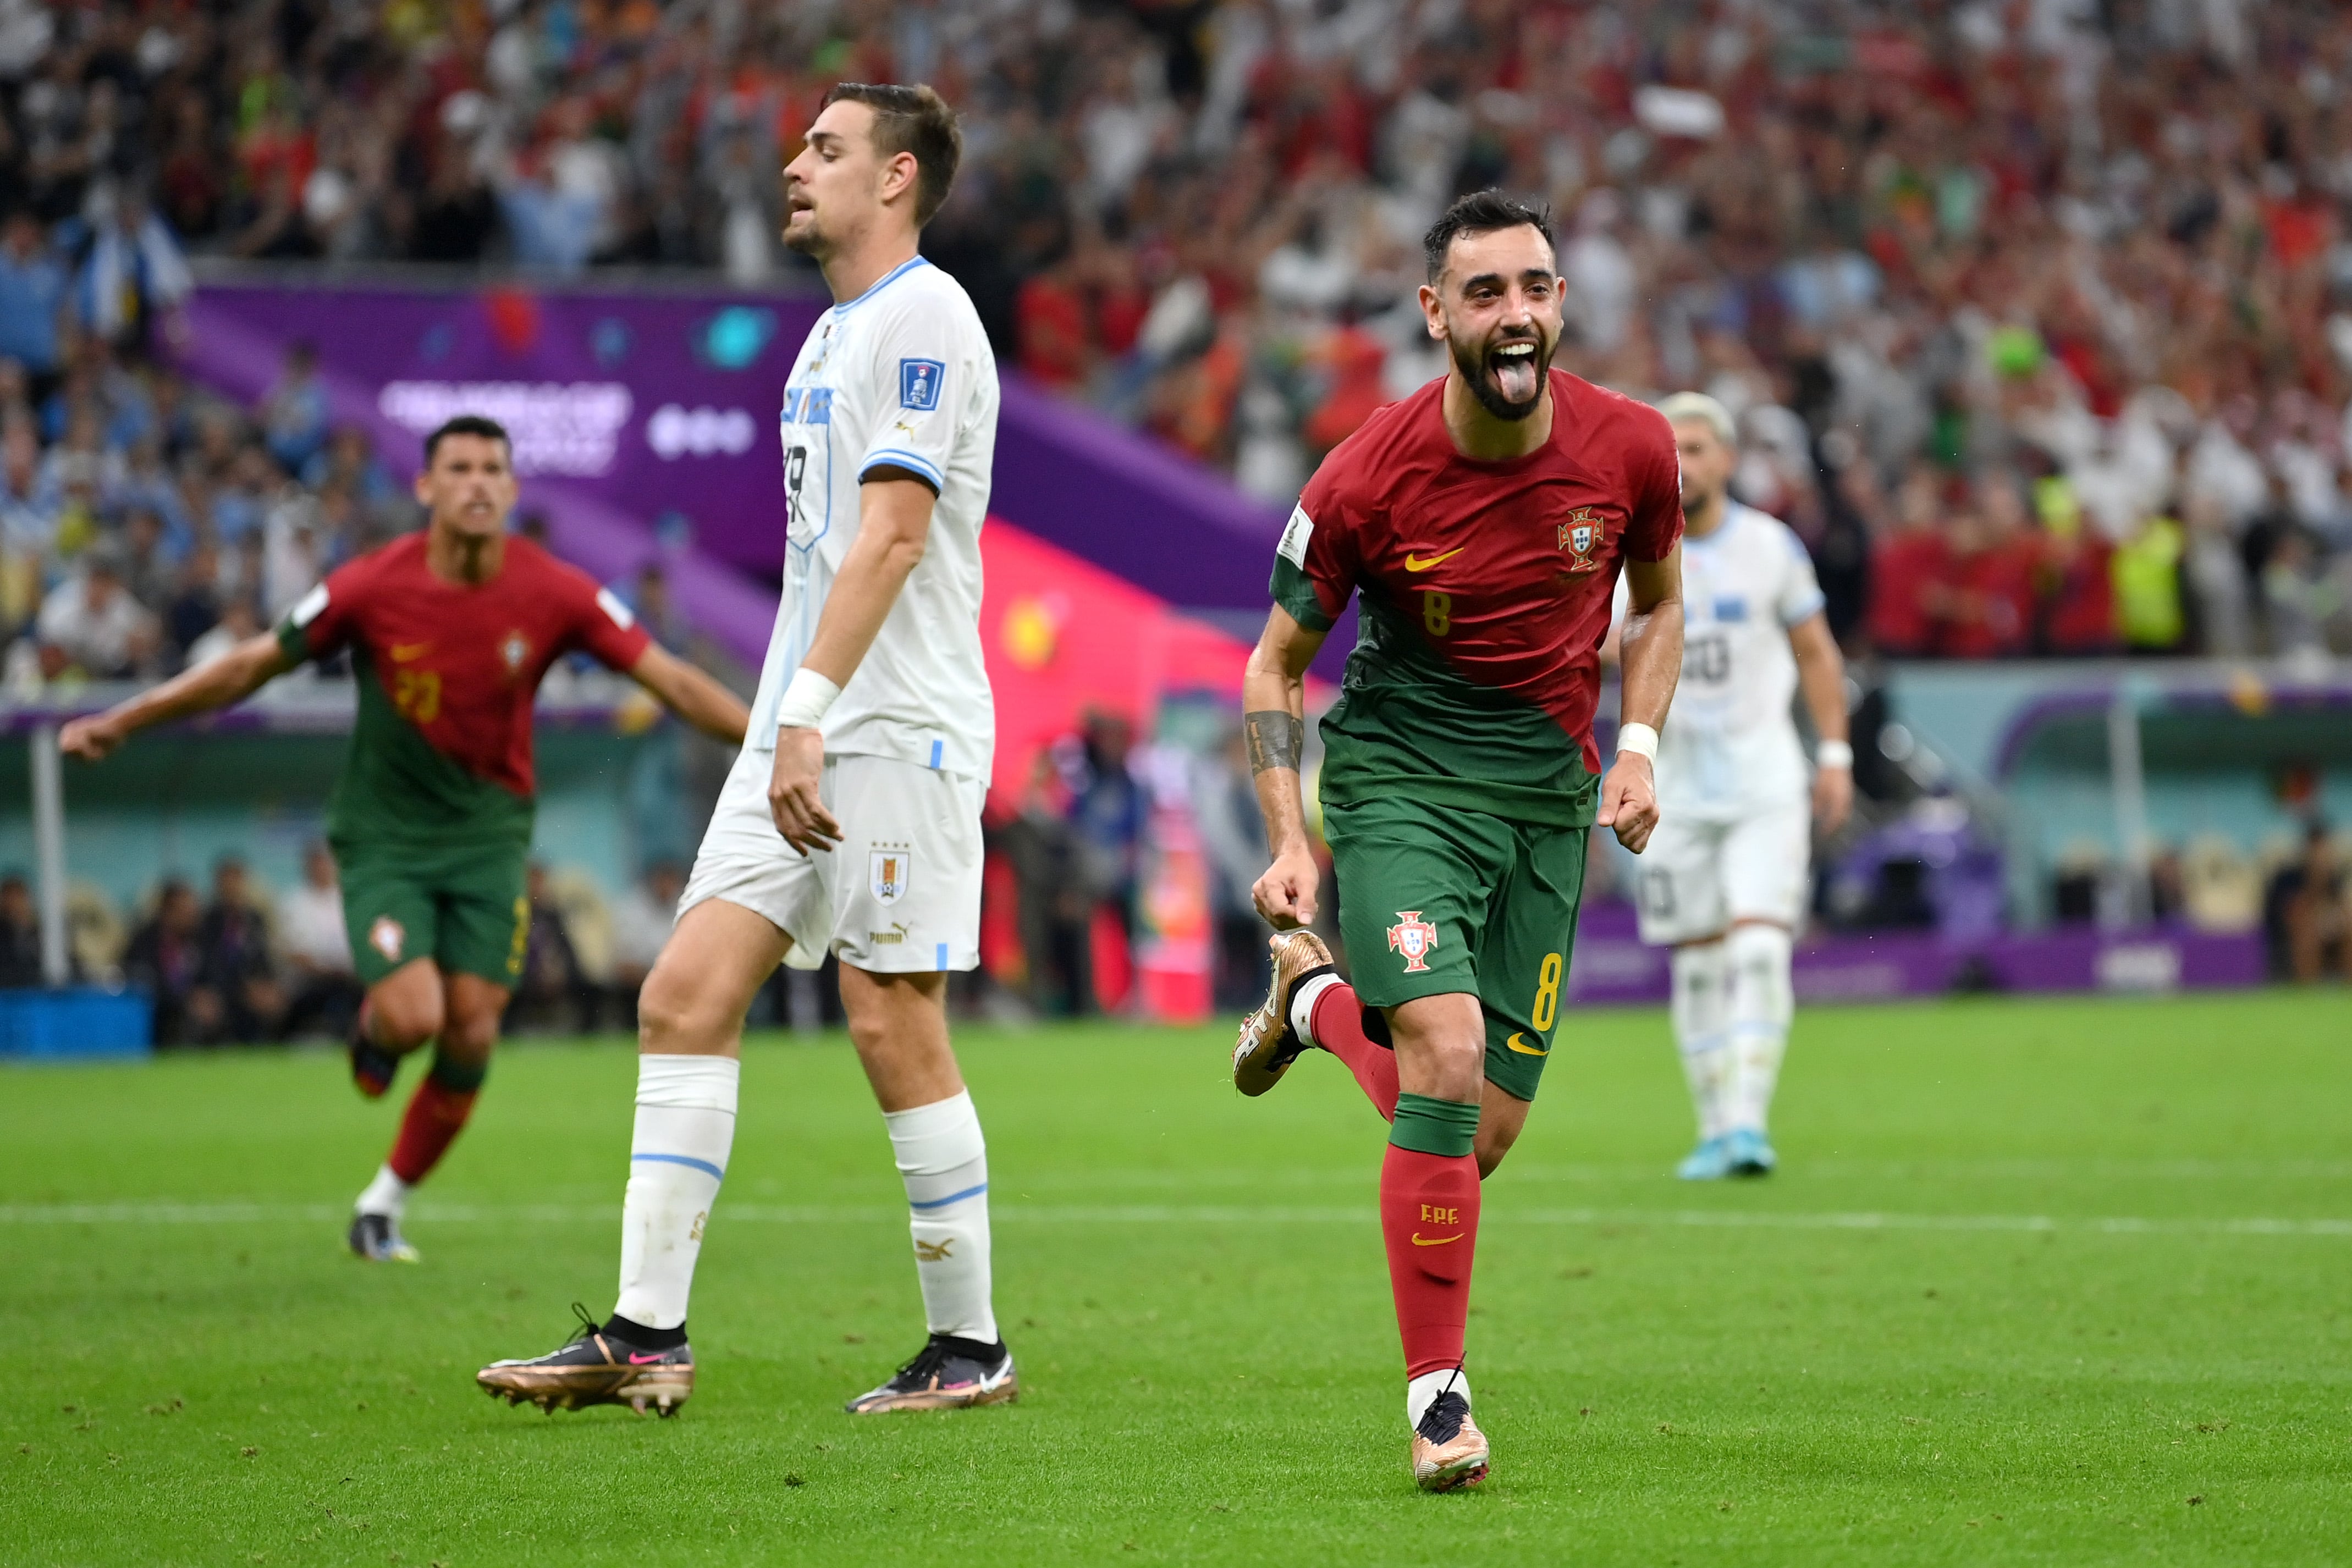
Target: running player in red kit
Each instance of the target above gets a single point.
(1483, 523)
(450, 630)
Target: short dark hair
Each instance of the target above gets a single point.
(912, 119)
(468, 424)
(1480, 212)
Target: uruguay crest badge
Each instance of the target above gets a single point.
(1412, 936)
(1580, 534)
(888, 871)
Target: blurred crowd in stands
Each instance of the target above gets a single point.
(2037, 316)
(243, 962)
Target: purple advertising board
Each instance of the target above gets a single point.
(645, 425)
(1612, 966)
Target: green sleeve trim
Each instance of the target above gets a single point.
(1295, 592)
(293, 642)
(1446, 1128)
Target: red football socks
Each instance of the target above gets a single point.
(436, 1113)
(1429, 1217)
(1338, 1023)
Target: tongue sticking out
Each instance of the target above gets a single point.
(1515, 375)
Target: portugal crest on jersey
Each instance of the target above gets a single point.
(1579, 537)
(514, 648)
(889, 871)
(1412, 936)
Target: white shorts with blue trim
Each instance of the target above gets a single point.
(900, 895)
(1696, 877)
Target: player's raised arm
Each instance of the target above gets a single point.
(691, 694)
(894, 522)
(216, 684)
(1650, 650)
(1273, 713)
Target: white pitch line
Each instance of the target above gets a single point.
(138, 1213)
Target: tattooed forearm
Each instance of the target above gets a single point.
(1276, 739)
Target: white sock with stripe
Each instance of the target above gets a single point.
(943, 1160)
(1701, 1011)
(677, 1155)
(1762, 1003)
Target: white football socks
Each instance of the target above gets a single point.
(1762, 1003)
(387, 1196)
(1422, 1391)
(944, 1162)
(1302, 1006)
(1701, 1012)
(686, 1127)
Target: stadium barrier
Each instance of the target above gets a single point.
(76, 1024)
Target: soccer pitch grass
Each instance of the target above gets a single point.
(2058, 1283)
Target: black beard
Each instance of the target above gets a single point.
(1474, 372)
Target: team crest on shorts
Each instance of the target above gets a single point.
(387, 936)
(1579, 537)
(888, 871)
(1412, 936)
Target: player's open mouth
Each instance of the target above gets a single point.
(1513, 369)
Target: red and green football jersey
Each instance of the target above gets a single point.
(1485, 592)
(447, 676)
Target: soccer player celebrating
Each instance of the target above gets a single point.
(1483, 523)
(851, 820)
(449, 630)
(1724, 879)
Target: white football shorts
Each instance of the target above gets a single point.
(898, 895)
(1696, 877)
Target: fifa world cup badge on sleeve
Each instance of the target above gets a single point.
(1580, 536)
(918, 383)
(889, 871)
(1412, 936)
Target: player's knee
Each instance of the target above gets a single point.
(470, 1034)
(672, 1018)
(406, 1017)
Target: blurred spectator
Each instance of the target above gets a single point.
(2306, 918)
(1056, 907)
(20, 936)
(1106, 808)
(166, 958)
(236, 966)
(294, 415)
(324, 994)
(32, 292)
(551, 992)
(91, 623)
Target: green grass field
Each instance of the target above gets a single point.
(2063, 1282)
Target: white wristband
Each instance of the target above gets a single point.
(1834, 753)
(805, 700)
(1638, 738)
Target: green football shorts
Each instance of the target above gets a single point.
(461, 905)
(1436, 899)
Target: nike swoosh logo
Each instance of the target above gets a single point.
(1419, 1241)
(1423, 562)
(1527, 1049)
(636, 1360)
(403, 652)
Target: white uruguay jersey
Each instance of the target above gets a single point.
(899, 377)
(1729, 746)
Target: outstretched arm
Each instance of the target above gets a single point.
(894, 522)
(229, 679)
(1652, 653)
(690, 693)
(1821, 675)
(1273, 711)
